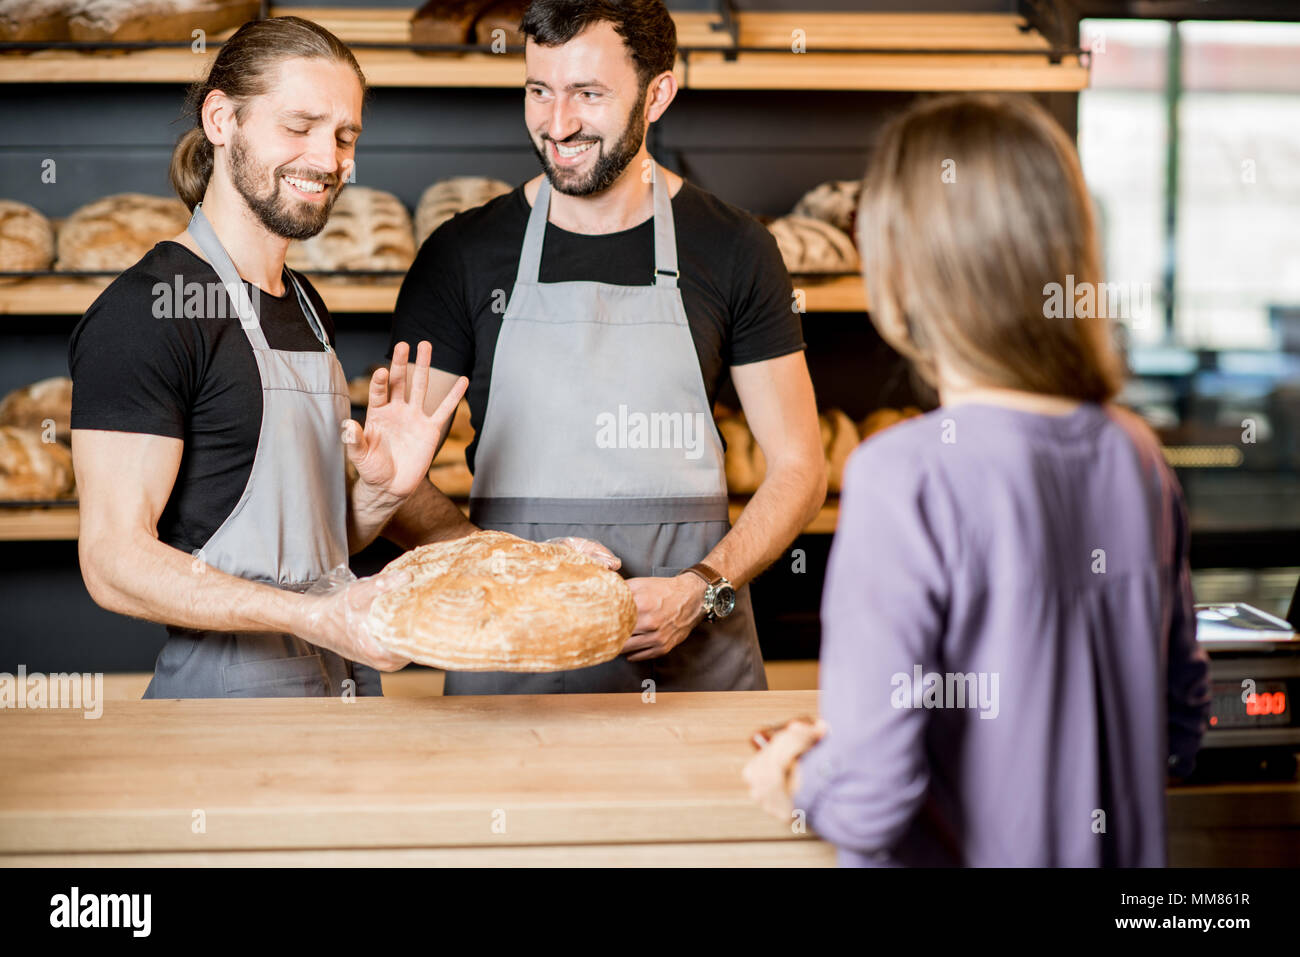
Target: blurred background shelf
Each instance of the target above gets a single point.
(770, 51)
(60, 523)
(56, 296)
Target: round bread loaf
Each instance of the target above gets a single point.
(113, 233)
(32, 470)
(126, 21)
(32, 405)
(494, 602)
(26, 239)
(367, 229)
(33, 21)
(812, 246)
(834, 202)
(839, 439)
(445, 198)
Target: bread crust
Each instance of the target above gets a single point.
(495, 602)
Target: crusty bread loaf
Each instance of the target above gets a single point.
(494, 602)
(34, 21)
(839, 439)
(32, 470)
(113, 233)
(503, 15)
(743, 462)
(367, 229)
(26, 239)
(445, 198)
(142, 21)
(445, 21)
(834, 202)
(32, 405)
(883, 418)
(812, 246)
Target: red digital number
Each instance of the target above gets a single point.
(1266, 703)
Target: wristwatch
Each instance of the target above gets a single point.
(719, 596)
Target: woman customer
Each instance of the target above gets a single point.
(1008, 665)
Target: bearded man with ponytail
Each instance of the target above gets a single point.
(209, 447)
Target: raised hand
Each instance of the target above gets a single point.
(393, 452)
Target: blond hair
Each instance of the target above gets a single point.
(973, 205)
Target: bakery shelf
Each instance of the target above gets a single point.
(61, 524)
(55, 296)
(846, 51)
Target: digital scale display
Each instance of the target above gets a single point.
(1268, 705)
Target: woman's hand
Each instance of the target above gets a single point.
(773, 773)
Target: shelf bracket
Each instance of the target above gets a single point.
(729, 24)
(1052, 19)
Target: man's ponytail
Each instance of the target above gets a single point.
(191, 166)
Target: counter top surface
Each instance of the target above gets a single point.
(257, 774)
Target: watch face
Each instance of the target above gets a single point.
(724, 601)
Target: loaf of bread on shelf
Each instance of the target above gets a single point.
(33, 470)
(503, 15)
(494, 602)
(885, 417)
(446, 21)
(34, 21)
(113, 233)
(26, 239)
(834, 202)
(142, 21)
(744, 462)
(812, 246)
(839, 439)
(445, 198)
(368, 229)
(32, 406)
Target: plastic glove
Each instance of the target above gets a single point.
(337, 611)
(593, 550)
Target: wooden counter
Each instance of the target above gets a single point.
(577, 779)
(419, 779)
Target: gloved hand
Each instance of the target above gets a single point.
(593, 550)
(335, 612)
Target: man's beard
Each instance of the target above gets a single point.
(282, 215)
(608, 166)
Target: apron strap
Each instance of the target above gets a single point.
(245, 306)
(530, 255)
(308, 310)
(665, 233)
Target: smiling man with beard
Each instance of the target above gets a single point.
(598, 309)
(209, 449)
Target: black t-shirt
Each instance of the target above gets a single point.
(735, 288)
(190, 378)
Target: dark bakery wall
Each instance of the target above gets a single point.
(760, 151)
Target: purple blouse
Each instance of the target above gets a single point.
(1008, 664)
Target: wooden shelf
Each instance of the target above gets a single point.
(52, 296)
(952, 59)
(61, 524)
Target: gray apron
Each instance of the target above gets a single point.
(565, 449)
(289, 526)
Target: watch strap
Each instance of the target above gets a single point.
(706, 572)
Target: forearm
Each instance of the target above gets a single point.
(426, 516)
(369, 510)
(776, 514)
(147, 579)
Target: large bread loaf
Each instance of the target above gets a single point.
(494, 602)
